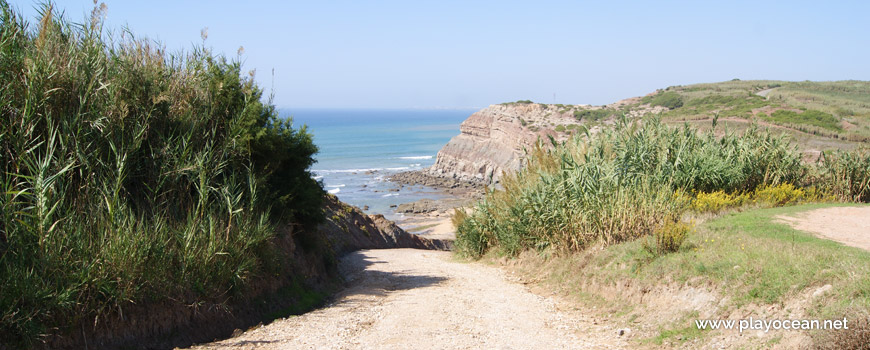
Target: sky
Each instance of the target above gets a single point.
(470, 54)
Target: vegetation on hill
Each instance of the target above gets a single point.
(609, 217)
(640, 177)
(669, 100)
(839, 110)
(131, 176)
(595, 114)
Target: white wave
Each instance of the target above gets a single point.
(334, 190)
(336, 186)
(415, 165)
(317, 177)
(416, 157)
(344, 171)
(390, 195)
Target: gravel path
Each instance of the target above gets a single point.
(763, 93)
(413, 299)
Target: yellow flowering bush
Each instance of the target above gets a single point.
(715, 202)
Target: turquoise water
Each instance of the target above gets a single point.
(360, 148)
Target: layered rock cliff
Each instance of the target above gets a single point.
(494, 139)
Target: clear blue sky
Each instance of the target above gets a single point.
(435, 54)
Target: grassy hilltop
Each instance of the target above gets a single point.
(817, 116)
(836, 110)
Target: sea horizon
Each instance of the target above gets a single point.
(360, 148)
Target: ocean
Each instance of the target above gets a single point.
(359, 149)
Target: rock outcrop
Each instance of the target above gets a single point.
(347, 229)
(493, 140)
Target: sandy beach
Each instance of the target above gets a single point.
(434, 225)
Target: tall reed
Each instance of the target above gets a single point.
(846, 175)
(128, 175)
(619, 185)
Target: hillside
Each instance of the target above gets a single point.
(839, 110)
(818, 116)
(639, 218)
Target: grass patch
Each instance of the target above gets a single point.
(593, 115)
(746, 257)
(749, 257)
(667, 99)
(808, 117)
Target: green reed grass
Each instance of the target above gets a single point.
(128, 175)
(846, 175)
(620, 184)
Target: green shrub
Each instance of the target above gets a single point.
(808, 117)
(594, 114)
(128, 176)
(669, 100)
(668, 238)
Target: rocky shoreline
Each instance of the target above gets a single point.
(459, 192)
(456, 187)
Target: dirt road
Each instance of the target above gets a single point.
(416, 299)
(847, 225)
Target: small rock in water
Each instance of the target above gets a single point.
(365, 207)
(393, 205)
(394, 190)
(364, 185)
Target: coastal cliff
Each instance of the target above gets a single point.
(492, 140)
